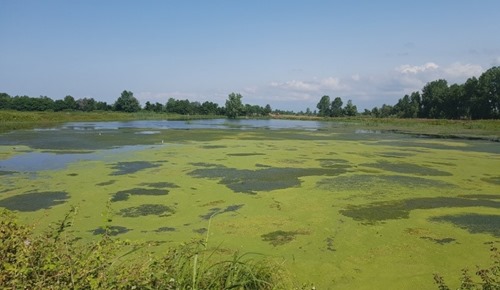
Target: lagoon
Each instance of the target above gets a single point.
(342, 207)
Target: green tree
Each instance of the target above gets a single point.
(86, 104)
(324, 106)
(336, 109)
(70, 103)
(127, 103)
(350, 109)
(434, 95)
(489, 91)
(234, 106)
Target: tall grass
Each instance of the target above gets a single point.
(56, 260)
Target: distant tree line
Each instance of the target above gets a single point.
(128, 103)
(477, 98)
(334, 108)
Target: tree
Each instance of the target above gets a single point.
(267, 110)
(127, 103)
(70, 103)
(434, 95)
(234, 106)
(324, 106)
(86, 104)
(489, 90)
(350, 109)
(336, 109)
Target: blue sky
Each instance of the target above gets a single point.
(284, 53)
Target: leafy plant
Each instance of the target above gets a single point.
(486, 279)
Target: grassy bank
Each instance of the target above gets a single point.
(481, 129)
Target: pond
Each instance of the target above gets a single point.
(338, 205)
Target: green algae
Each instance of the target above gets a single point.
(33, 201)
(303, 180)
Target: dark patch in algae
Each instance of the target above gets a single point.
(111, 231)
(267, 179)
(493, 180)
(147, 209)
(381, 211)
(367, 182)
(125, 194)
(278, 238)
(159, 184)
(122, 168)
(165, 229)
(244, 154)
(106, 183)
(474, 223)
(439, 241)
(34, 201)
(408, 168)
(215, 211)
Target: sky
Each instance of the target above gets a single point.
(285, 53)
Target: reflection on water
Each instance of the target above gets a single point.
(200, 124)
(36, 161)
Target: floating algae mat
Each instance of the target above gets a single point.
(341, 208)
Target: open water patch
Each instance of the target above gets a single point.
(382, 211)
(266, 179)
(473, 223)
(34, 201)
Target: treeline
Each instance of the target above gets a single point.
(477, 98)
(128, 103)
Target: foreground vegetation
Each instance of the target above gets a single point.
(56, 260)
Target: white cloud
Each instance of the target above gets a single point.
(408, 69)
(326, 84)
(459, 70)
